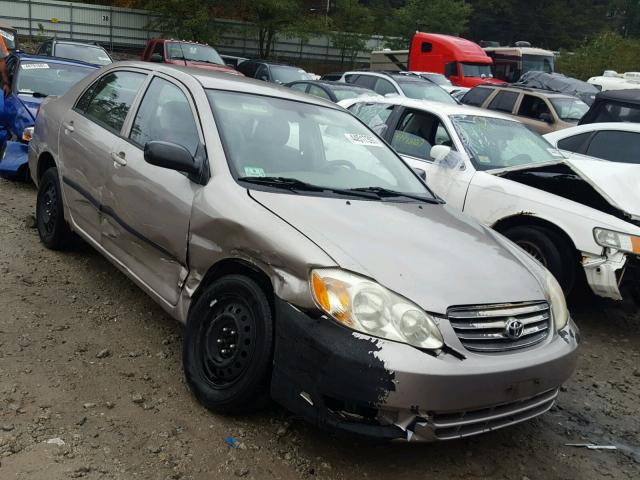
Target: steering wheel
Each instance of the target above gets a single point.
(339, 163)
(520, 159)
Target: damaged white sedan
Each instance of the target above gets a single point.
(579, 217)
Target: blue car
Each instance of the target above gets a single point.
(33, 78)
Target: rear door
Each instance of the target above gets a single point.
(150, 206)
(532, 111)
(87, 135)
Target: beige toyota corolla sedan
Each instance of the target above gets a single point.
(308, 262)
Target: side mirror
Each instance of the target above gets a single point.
(171, 156)
(439, 152)
(156, 57)
(546, 117)
(421, 173)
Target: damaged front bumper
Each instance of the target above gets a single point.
(14, 160)
(613, 275)
(332, 376)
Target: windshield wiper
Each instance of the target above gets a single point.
(385, 192)
(33, 94)
(295, 185)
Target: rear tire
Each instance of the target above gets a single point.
(53, 229)
(550, 249)
(228, 346)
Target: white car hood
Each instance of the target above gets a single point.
(618, 183)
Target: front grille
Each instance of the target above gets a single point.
(484, 328)
(447, 426)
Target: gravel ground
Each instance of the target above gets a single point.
(91, 386)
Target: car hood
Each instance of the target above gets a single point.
(212, 67)
(426, 253)
(618, 183)
(31, 104)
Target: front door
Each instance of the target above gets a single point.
(151, 206)
(87, 134)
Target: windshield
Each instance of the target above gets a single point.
(282, 74)
(569, 109)
(266, 137)
(540, 63)
(48, 78)
(476, 70)
(437, 79)
(424, 90)
(193, 53)
(497, 143)
(9, 39)
(84, 53)
(346, 93)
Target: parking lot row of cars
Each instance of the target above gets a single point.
(350, 260)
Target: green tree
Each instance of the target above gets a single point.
(188, 19)
(435, 16)
(607, 51)
(352, 25)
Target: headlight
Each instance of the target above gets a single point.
(27, 134)
(367, 307)
(558, 303)
(617, 240)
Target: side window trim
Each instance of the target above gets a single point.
(137, 103)
(133, 104)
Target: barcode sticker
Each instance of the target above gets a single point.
(34, 66)
(363, 139)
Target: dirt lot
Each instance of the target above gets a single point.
(91, 386)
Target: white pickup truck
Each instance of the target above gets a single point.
(580, 217)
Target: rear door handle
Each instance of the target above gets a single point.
(68, 126)
(119, 158)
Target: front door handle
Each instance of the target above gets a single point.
(119, 158)
(68, 126)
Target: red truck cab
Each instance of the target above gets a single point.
(463, 62)
(184, 53)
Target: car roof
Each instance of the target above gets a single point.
(73, 42)
(332, 84)
(630, 95)
(539, 91)
(211, 79)
(43, 58)
(410, 76)
(595, 127)
(431, 106)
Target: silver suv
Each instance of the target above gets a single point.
(309, 263)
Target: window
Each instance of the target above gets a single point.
(417, 133)
(373, 114)
(425, 90)
(284, 74)
(476, 70)
(533, 107)
(165, 114)
(451, 69)
(84, 53)
(44, 79)
(504, 101)
(426, 47)
(616, 146)
(248, 68)
(301, 87)
(612, 112)
(159, 49)
(384, 86)
(262, 73)
(366, 81)
(318, 92)
(107, 101)
(351, 78)
(476, 96)
(47, 49)
(575, 143)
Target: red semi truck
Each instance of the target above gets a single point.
(460, 60)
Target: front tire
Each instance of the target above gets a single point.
(228, 346)
(550, 249)
(53, 229)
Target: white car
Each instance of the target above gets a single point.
(573, 214)
(614, 141)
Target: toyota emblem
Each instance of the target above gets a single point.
(514, 328)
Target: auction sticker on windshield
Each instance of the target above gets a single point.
(254, 171)
(34, 66)
(363, 139)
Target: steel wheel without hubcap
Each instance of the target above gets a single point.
(48, 209)
(228, 341)
(52, 227)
